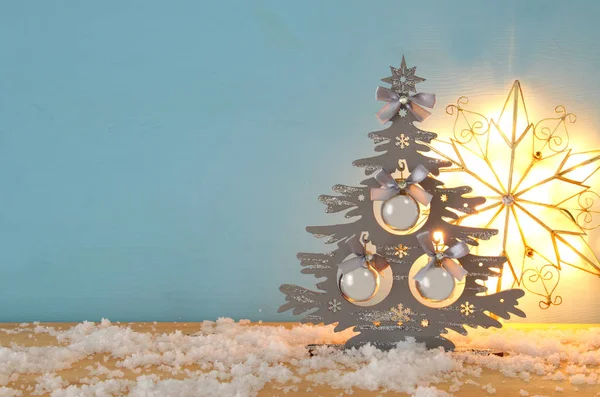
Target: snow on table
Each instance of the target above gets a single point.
(225, 358)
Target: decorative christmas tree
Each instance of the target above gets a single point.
(401, 269)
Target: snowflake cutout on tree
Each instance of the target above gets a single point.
(402, 141)
(467, 309)
(400, 314)
(361, 197)
(335, 306)
(444, 198)
(400, 251)
(403, 79)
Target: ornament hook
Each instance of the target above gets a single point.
(401, 168)
(365, 239)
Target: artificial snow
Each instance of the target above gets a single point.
(225, 358)
(9, 392)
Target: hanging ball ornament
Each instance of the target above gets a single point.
(436, 285)
(400, 212)
(401, 197)
(360, 275)
(360, 285)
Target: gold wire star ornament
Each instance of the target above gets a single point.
(535, 189)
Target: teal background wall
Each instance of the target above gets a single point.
(159, 160)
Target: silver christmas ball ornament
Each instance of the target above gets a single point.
(437, 285)
(401, 212)
(359, 285)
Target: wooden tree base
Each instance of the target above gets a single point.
(312, 350)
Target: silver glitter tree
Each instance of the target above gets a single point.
(401, 313)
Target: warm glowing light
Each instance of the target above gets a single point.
(438, 239)
(535, 191)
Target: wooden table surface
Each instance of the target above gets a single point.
(504, 386)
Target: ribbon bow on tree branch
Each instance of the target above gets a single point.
(363, 258)
(391, 188)
(445, 258)
(396, 101)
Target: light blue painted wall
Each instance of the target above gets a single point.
(159, 160)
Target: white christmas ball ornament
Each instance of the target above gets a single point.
(437, 285)
(359, 285)
(401, 212)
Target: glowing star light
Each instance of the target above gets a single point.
(535, 189)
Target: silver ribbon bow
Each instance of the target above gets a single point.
(396, 101)
(458, 250)
(391, 188)
(362, 259)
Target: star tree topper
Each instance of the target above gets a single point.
(403, 79)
